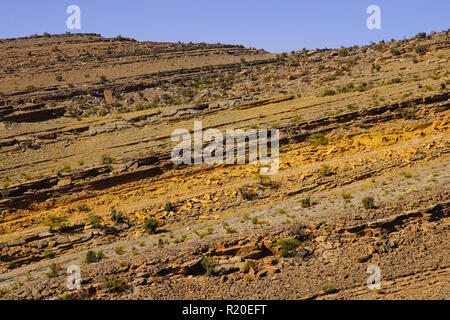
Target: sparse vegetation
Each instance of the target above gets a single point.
(116, 216)
(49, 254)
(65, 169)
(229, 230)
(105, 159)
(116, 285)
(67, 296)
(208, 264)
(409, 113)
(407, 175)
(368, 203)
(328, 92)
(249, 265)
(94, 220)
(92, 256)
(347, 197)
(328, 289)
(421, 50)
(150, 225)
(55, 222)
(3, 291)
(306, 202)
(421, 35)
(394, 81)
(287, 244)
(54, 268)
(169, 206)
(318, 139)
(325, 170)
(362, 131)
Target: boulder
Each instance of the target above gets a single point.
(226, 268)
(193, 267)
(108, 94)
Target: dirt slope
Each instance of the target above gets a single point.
(85, 137)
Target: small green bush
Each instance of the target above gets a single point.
(169, 207)
(318, 139)
(116, 216)
(329, 289)
(150, 225)
(328, 92)
(368, 203)
(407, 175)
(248, 265)
(409, 113)
(54, 268)
(55, 221)
(325, 170)
(394, 80)
(92, 257)
(347, 197)
(288, 244)
(421, 35)
(67, 296)
(229, 230)
(3, 291)
(421, 50)
(105, 159)
(116, 285)
(306, 203)
(284, 253)
(208, 265)
(94, 220)
(49, 254)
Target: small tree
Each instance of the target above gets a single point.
(208, 264)
(55, 222)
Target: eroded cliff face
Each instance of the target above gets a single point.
(85, 153)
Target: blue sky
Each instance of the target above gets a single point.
(276, 25)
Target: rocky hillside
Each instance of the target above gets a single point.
(87, 179)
